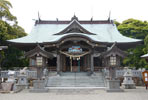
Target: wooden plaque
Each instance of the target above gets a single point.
(145, 77)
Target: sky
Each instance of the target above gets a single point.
(26, 11)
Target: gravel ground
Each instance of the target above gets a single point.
(140, 93)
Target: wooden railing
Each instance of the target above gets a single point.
(98, 69)
(52, 68)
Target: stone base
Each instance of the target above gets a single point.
(128, 86)
(39, 86)
(39, 90)
(7, 87)
(114, 90)
(21, 87)
(113, 86)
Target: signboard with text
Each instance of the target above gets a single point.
(75, 49)
(145, 77)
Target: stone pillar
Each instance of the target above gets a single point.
(112, 73)
(58, 63)
(39, 72)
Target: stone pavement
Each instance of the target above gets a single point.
(79, 94)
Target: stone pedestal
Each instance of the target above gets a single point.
(22, 82)
(7, 87)
(39, 86)
(113, 86)
(128, 86)
(128, 83)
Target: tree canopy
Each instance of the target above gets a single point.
(12, 57)
(135, 29)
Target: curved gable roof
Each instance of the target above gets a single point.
(104, 32)
(74, 27)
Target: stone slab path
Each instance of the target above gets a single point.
(79, 94)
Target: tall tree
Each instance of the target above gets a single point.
(12, 57)
(135, 29)
(5, 5)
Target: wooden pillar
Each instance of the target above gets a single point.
(84, 63)
(70, 64)
(85, 60)
(91, 63)
(61, 64)
(64, 67)
(58, 63)
(88, 62)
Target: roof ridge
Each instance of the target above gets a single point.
(69, 21)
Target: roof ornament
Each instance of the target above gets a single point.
(109, 16)
(39, 19)
(57, 19)
(74, 17)
(91, 18)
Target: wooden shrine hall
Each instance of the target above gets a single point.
(74, 45)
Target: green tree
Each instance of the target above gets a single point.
(5, 5)
(12, 57)
(135, 29)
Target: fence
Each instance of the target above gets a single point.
(29, 74)
(33, 74)
(120, 73)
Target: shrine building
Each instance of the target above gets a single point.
(74, 45)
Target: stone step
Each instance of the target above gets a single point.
(76, 80)
(74, 90)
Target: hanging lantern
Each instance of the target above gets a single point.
(113, 60)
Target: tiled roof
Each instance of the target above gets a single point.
(44, 31)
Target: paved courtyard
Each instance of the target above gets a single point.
(85, 94)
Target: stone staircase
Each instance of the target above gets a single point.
(78, 79)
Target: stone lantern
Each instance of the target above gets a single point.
(112, 60)
(38, 58)
(128, 82)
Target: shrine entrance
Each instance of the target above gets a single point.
(75, 54)
(74, 59)
(74, 64)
